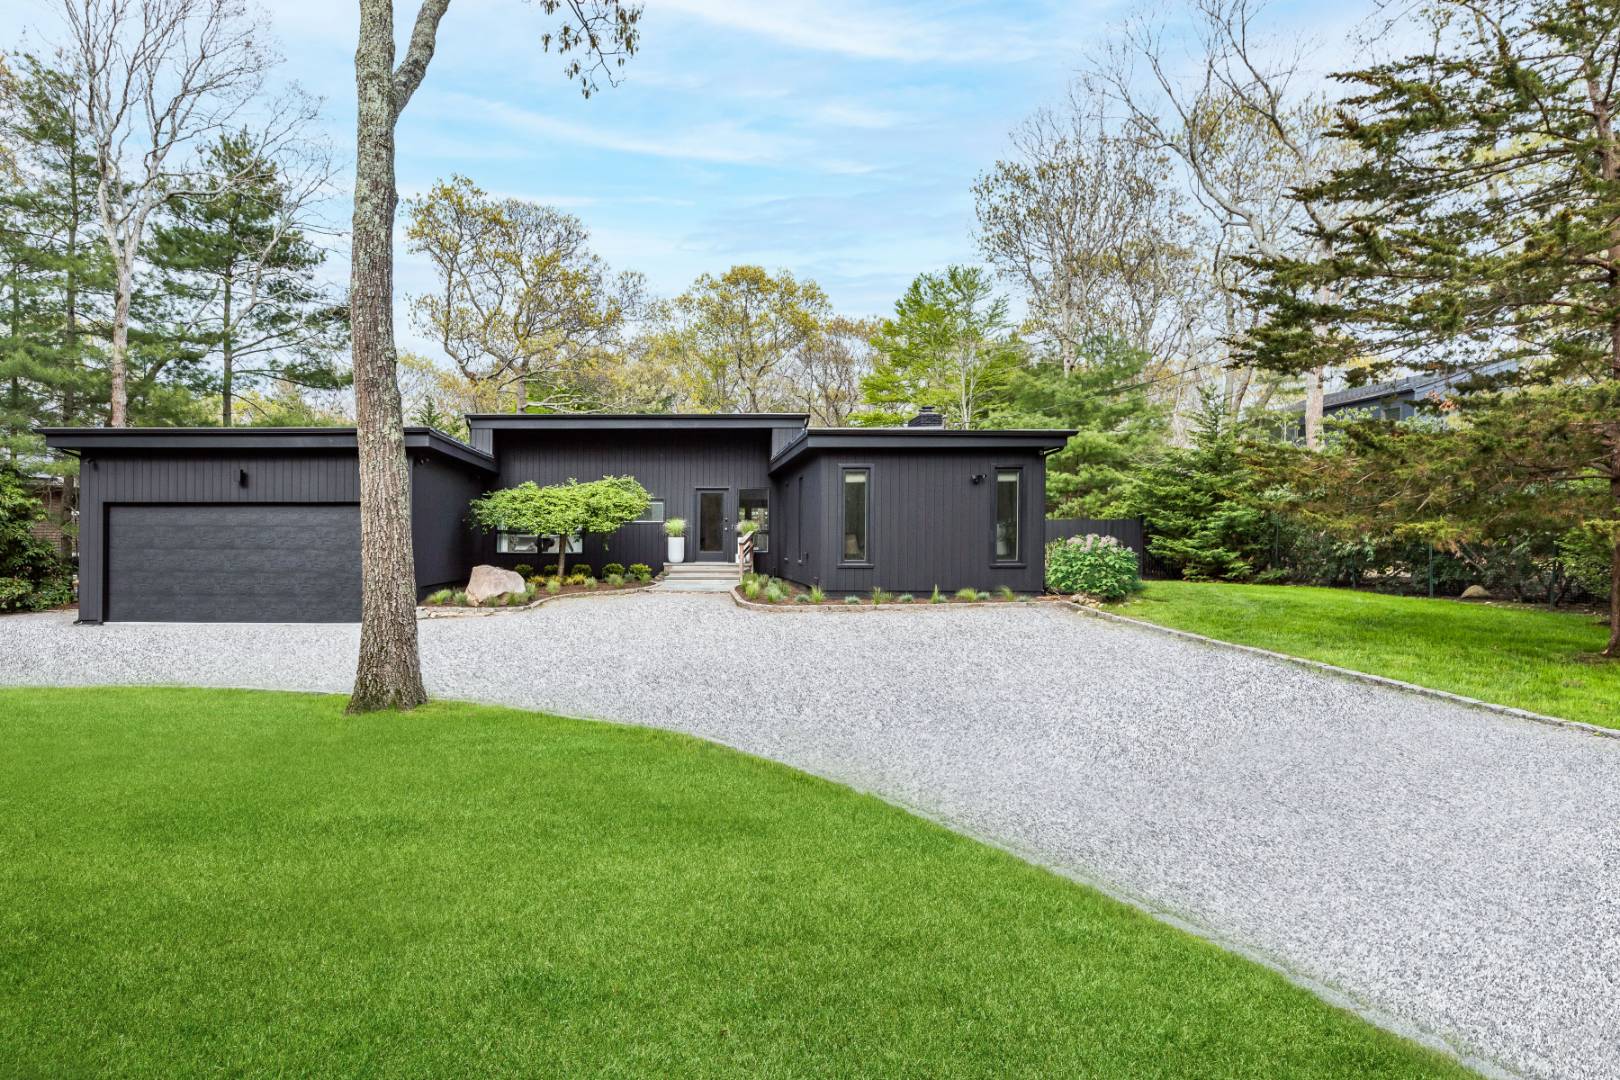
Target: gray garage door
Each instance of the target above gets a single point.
(236, 563)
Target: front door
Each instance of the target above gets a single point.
(713, 525)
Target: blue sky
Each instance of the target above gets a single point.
(834, 138)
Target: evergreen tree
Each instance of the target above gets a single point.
(239, 270)
(1102, 395)
(54, 274)
(1478, 229)
(949, 345)
(1203, 505)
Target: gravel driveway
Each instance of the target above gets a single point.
(1453, 871)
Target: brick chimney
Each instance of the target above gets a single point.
(928, 417)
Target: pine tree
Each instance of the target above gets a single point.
(239, 271)
(1480, 229)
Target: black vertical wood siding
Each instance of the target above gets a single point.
(928, 523)
(440, 490)
(445, 545)
(670, 463)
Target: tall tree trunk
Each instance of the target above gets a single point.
(227, 357)
(118, 354)
(389, 674)
(1313, 408)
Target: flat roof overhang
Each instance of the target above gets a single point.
(92, 439)
(815, 440)
(636, 421)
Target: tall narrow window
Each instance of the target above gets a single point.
(855, 491)
(1008, 483)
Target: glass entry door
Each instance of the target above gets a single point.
(712, 525)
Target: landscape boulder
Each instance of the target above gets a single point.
(1476, 592)
(488, 581)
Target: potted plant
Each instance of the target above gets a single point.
(675, 529)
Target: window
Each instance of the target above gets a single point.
(529, 544)
(1009, 483)
(856, 483)
(655, 512)
(516, 543)
(753, 504)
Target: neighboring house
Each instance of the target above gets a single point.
(53, 528)
(262, 524)
(1396, 399)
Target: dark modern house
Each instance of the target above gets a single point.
(263, 524)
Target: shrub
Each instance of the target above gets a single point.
(852, 600)
(641, 571)
(1006, 593)
(583, 569)
(577, 579)
(524, 569)
(609, 569)
(816, 595)
(614, 580)
(32, 577)
(904, 598)
(969, 594)
(802, 598)
(443, 596)
(937, 597)
(750, 589)
(675, 527)
(747, 528)
(1095, 566)
(774, 593)
(880, 597)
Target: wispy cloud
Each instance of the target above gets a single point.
(719, 142)
(859, 31)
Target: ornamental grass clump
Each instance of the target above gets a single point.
(1099, 567)
(750, 589)
(880, 597)
(852, 600)
(817, 596)
(937, 597)
(774, 593)
(970, 595)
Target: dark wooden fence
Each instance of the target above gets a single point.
(1128, 531)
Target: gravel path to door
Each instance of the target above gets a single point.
(1453, 871)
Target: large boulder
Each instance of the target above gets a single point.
(1476, 592)
(488, 581)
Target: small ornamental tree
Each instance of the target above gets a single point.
(562, 510)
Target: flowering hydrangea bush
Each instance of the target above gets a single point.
(1095, 566)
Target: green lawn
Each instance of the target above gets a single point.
(233, 882)
(1533, 659)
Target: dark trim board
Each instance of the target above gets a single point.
(930, 504)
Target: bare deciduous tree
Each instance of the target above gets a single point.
(1245, 133)
(161, 79)
(1090, 224)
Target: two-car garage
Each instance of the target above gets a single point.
(251, 525)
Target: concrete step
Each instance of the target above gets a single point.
(700, 570)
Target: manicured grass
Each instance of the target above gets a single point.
(1544, 661)
(232, 882)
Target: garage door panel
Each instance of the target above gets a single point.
(233, 563)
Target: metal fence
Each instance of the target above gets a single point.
(1128, 531)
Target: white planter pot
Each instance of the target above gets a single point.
(677, 549)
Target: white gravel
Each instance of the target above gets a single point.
(1454, 871)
